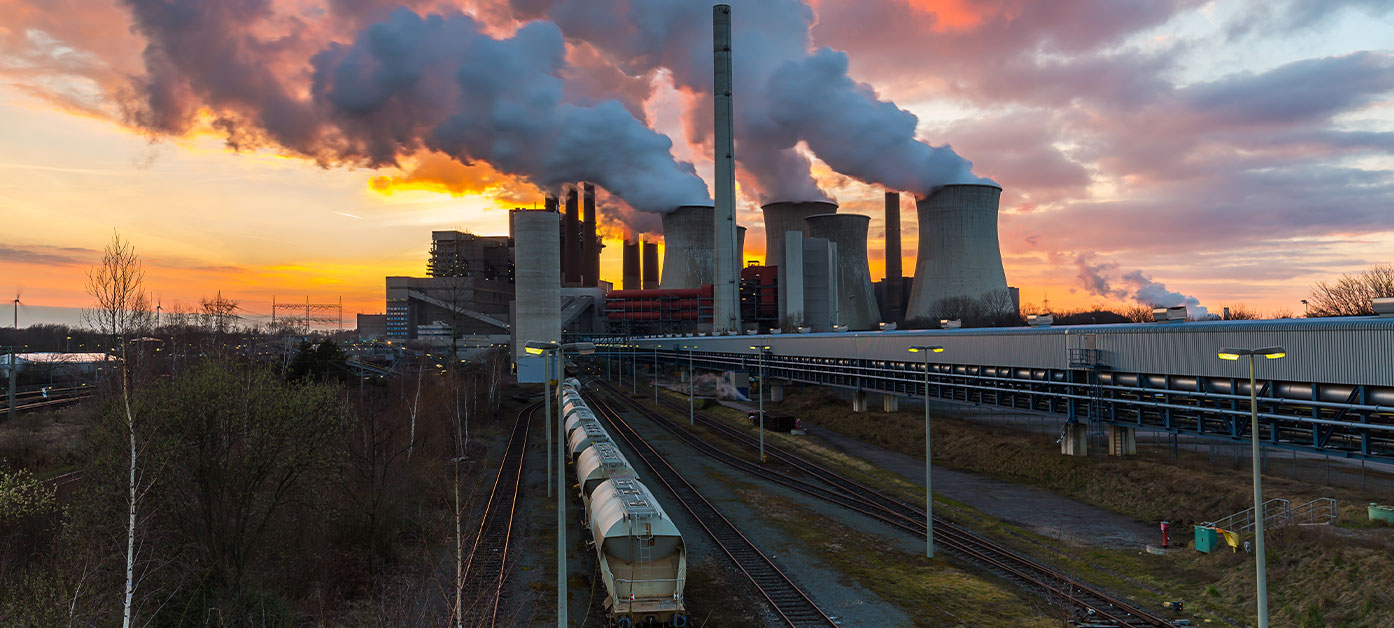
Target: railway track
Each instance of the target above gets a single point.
(787, 599)
(1089, 603)
(486, 569)
(34, 400)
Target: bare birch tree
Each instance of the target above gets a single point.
(121, 309)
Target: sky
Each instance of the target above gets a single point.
(1208, 153)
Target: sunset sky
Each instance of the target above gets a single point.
(1234, 152)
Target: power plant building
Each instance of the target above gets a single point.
(856, 301)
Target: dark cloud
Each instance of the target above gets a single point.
(46, 255)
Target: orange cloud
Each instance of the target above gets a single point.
(955, 15)
(436, 172)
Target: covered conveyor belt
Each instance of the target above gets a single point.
(1332, 394)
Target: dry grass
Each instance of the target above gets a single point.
(45, 440)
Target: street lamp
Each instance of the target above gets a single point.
(763, 349)
(655, 375)
(557, 352)
(928, 491)
(1260, 560)
(691, 385)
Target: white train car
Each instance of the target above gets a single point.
(603, 461)
(584, 436)
(643, 560)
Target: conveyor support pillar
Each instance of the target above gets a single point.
(1075, 440)
(1122, 441)
(890, 403)
(859, 401)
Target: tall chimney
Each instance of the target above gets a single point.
(631, 276)
(650, 255)
(591, 245)
(571, 247)
(726, 315)
(893, 282)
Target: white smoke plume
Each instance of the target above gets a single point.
(406, 83)
(785, 91)
(1098, 278)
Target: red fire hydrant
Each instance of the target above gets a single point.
(1166, 527)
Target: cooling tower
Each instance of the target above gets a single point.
(590, 247)
(784, 216)
(688, 257)
(630, 271)
(571, 245)
(650, 256)
(892, 282)
(537, 272)
(856, 300)
(959, 256)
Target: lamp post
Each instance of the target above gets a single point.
(763, 349)
(691, 385)
(655, 375)
(1260, 560)
(928, 490)
(557, 352)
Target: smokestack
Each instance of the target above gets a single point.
(784, 216)
(650, 271)
(894, 273)
(590, 248)
(856, 301)
(726, 314)
(687, 247)
(959, 255)
(740, 247)
(630, 279)
(571, 247)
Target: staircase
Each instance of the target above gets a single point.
(1278, 513)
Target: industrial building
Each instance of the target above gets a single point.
(471, 288)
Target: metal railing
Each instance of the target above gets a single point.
(1277, 513)
(1320, 511)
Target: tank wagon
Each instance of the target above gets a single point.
(603, 461)
(640, 552)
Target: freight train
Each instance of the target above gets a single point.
(641, 554)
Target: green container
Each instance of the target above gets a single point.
(1207, 539)
(1382, 513)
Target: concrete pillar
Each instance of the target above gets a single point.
(859, 401)
(1122, 441)
(776, 392)
(1076, 440)
(890, 403)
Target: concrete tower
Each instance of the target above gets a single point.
(893, 281)
(590, 244)
(650, 265)
(856, 300)
(785, 216)
(629, 279)
(726, 311)
(687, 247)
(571, 245)
(537, 276)
(740, 247)
(959, 255)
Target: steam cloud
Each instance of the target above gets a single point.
(406, 83)
(785, 91)
(398, 82)
(1098, 279)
